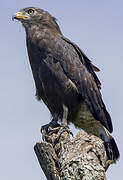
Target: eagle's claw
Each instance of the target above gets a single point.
(48, 128)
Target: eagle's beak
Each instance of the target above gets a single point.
(19, 16)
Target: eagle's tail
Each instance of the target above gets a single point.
(110, 146)
(112, 150)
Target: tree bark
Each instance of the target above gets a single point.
(80, 158)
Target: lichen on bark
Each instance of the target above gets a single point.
(81, 158)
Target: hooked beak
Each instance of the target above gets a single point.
(19, 16)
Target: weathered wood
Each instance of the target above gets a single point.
(47, 158)
(82, 158)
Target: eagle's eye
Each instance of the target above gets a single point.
(30, 11)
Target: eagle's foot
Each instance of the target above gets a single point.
(53, 128)
(47, 129)
(61, 130)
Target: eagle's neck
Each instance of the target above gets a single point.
(41, 34)
(41, 28)
(32, 30)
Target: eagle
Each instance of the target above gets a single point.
(65, 78)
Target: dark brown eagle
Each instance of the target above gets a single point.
(65, 78)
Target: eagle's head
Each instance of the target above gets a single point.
(35, 16)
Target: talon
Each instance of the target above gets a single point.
(68, 130)
(45, 128)
(48, 129)
(62, 129)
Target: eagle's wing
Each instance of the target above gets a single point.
(80, 71)
(86, 61)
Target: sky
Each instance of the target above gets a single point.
(97, 27)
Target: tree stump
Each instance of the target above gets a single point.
(81, 158)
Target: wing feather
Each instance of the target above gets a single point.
(79, 70)
(85, 60)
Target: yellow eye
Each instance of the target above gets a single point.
(30, 11)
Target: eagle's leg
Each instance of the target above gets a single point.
(65, 114)
(54, 127)
(48, 128)
(64, 127)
